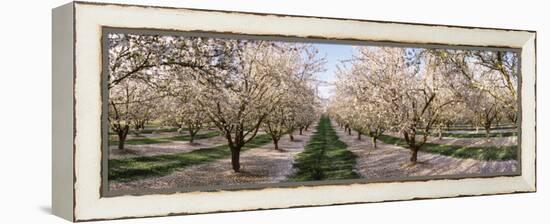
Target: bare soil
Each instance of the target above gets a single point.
(163, 134)
(481, 142)
(164, 148)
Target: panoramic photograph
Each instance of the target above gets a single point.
(198, 111)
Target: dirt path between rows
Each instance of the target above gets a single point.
(161, 134)
(393, 161)
(164, 148)
(259, 165)
(480, 142)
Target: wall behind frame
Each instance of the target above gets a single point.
(27, 192)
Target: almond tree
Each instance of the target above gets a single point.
(406, 85)
(146, 112)
(310, 113)
(129, 103)
(302, 101)
(495, 73)
(130, 55)
(238, 97)
(375, 121)
(366, 80)
(504, 88)
(295, 110)
(486, 110)
(183, 112)
(341, 110)
(235, 84)
(458, 113)
(282, 120)
(423, 97)
(131, 58)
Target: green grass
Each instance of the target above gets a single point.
(475, 135)
(129, 169)
(325, 157)
(146, 141)
(480, 153)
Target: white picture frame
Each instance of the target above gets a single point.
(77, 110)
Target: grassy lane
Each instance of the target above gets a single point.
(325, 157)
(480, 153)
(146, 141)
(129, 169)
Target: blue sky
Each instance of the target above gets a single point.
(334, 53)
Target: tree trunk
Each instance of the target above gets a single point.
(291, 136)
(440, 134)
(349, 131)
(137, 132)
(235, 156)
(301, 129)
(358, 135)
(276, 143)
(122, 138)
(488, 131)
(191, 135)
(121, 142)
(374, 142)
(414, 155)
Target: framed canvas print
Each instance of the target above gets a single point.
(164, 111)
